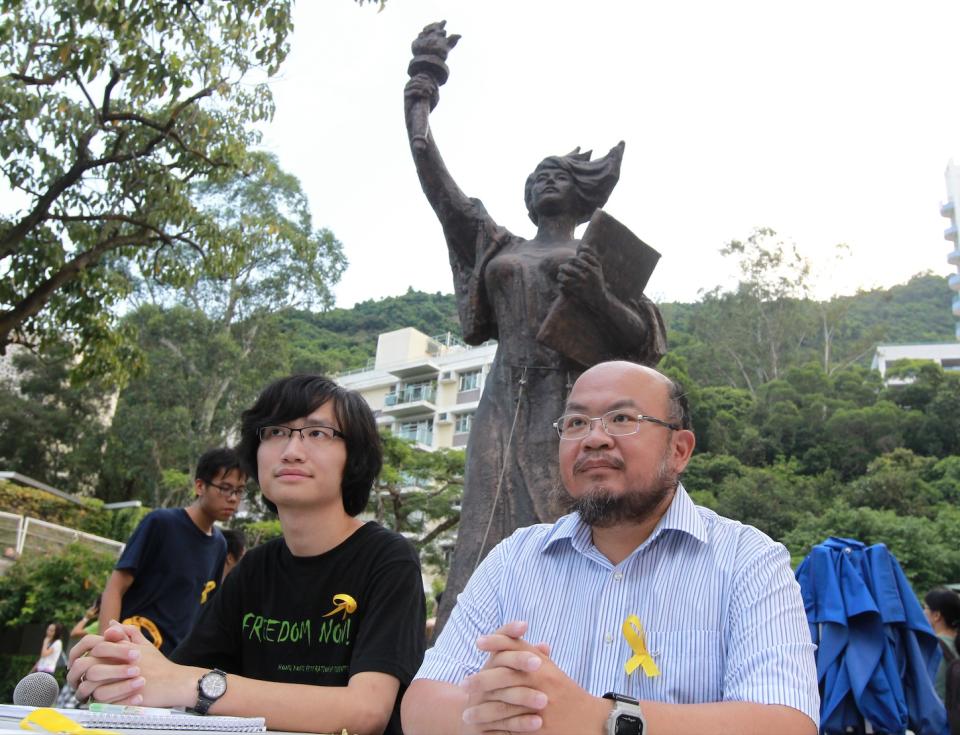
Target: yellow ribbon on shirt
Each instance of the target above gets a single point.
(344, 603)
(209, 587)
(633, 632)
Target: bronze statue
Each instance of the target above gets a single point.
(550, 303)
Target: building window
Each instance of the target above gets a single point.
(470, 380)
(464, 422)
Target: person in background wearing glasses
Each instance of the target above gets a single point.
(175, 557)
(317, 631)
(638, 613)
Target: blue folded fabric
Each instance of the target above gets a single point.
(876, 653)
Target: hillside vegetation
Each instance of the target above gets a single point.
(796, 434)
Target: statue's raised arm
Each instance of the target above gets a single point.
(428, 70)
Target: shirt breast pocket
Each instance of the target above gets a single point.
(691, 664)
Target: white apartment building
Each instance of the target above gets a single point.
(949, 209)
(424, 388)
(947, 355)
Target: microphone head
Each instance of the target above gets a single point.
(38, 689)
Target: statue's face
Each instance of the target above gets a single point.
(553, 191)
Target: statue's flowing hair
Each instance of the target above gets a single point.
(593, 180)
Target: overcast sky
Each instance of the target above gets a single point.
(831, 122)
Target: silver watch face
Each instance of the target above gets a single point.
(213, 685)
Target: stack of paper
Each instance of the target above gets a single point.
(142, 718)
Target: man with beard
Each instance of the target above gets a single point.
(653, 615)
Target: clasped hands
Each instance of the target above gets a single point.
(116, 667)
(520, 689)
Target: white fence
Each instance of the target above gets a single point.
(22, 535)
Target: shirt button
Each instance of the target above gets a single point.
(608, 638)
(618, 576)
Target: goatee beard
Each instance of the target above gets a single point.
(601, 509)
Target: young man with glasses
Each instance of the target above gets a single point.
(317, 631)
(175, 557)
(638, 613)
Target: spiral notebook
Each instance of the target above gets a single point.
(144, 718)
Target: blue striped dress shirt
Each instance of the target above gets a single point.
(722, 612)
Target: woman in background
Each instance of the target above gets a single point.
(942, 608)
(51, 649)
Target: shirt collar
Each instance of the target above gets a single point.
(682, 516)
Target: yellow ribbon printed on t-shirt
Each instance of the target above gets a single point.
(209, 587)
(344, 603)
(633, 632)
(146, 625)
(44, 719)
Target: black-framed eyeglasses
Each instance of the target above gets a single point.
(277, 434)
(615, 423)
(228, 491)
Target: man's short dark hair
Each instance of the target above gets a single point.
(213, 461)
(679, 406)
(236, 541)
(297, 396)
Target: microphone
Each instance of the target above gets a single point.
(38, 689)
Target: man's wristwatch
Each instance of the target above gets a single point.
(625, 717)
(210, 688)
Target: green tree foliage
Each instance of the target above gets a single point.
(896, 481)
(163, 419)
(748, 335)
(111, 114)
(223, 348)
(860, 434)
(13, 667)
(90, 516)
(342, 339)
(936, 393)
(945, 477)
(914, 312)
(258, 532)
(814, 455)
(770, 498)
(753, 332)
(51, 430)
(53, 588)
(926, 548)
(418, 494)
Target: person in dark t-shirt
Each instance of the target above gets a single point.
(317, 631)
(175, 557)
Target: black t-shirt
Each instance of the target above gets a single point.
(319, 619)
(175, 566)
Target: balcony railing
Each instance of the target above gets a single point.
(411, 394)
(422, 435)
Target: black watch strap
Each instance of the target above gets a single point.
(210, 687)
